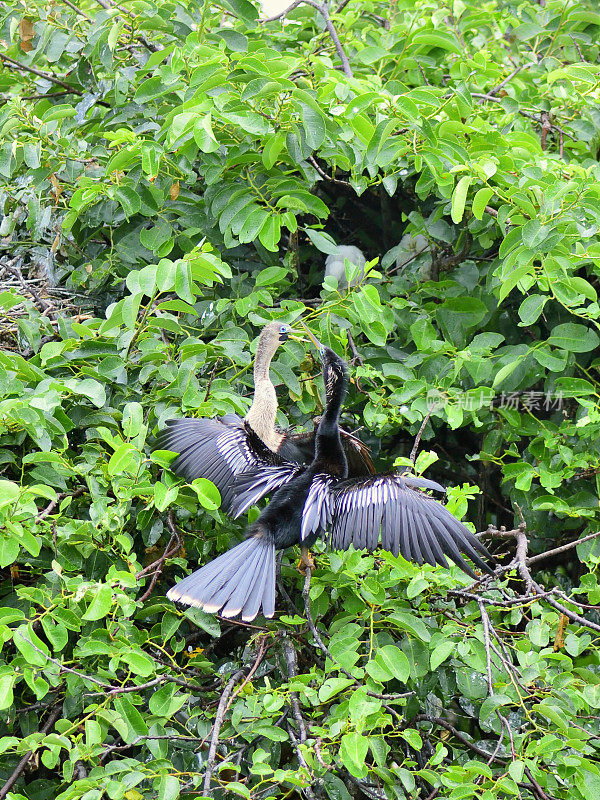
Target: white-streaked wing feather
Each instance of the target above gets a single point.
(387, 509)
(316, 513)
(251, 486)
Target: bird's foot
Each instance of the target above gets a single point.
(306, 561)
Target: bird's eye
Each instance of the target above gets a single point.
(284, 329)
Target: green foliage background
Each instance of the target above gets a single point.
(173, 167)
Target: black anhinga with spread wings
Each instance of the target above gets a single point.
(311, 501)
(219, 449)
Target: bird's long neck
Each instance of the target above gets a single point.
(263, 411)
(329, 453)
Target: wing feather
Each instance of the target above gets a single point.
(392, 510)
(316, 513)
(217, 449)
(251, 486)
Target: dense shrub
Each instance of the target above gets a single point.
(171, 177)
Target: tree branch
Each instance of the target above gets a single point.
(14, 777)
(214, 739)
(324, 12)
(11, 63)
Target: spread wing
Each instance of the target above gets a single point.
(252, 485)
(388, 510)
(217, 449)
(358, 455)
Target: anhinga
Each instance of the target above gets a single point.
(309, 501)
(219, 449)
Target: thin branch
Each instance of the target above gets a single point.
(508, 78)
(172, 547)
(48, 725)
(324, 12)
(562, 549)
(11, 63)
(59, 498)
(76, 10)
(458, 735)
(14, 269)
(415, 447)
(292, 669)
(147, 737)
(325, 176)
(214, 739)
(255, 666)
(283, 13)
(306, 791)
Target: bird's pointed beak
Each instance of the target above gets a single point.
(312, 338)
(296, 337)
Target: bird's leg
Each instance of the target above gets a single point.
(306, 560)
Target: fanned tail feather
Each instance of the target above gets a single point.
(237, 583)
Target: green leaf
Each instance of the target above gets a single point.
(480, 201)
(459, 197)
(134, 722)
(163, 496)
(322, 241)
(332, 687)
(410, 623)
(30, 645)
(166, 702)
(124, 459)
(314, 126)
(6, 691)
(207, 493)
(531, 308)
(574, 337)
(440, 653)
(101, 602)
(270, 276)
(437, 38)
(139, 663)
(353, 752)
(394, 661)
(133, 419)
(241, 8)
(9, 492)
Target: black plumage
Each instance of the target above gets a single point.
(318, 500)
(220, 449)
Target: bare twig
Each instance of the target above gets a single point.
(14, 269)
(255, 666)
(487, 644)
(508, 78)
(562, 549)
(546, 128)
(460, 736)
(76, 10)
(292, 669)
(356, 356)
(48, 725)
(211, 378)
(59, 498)
(214, 739)
(576, 43)
(521, 556)
(11, 63)
(415, 447)
(325, 176)
(324, 12)
(172, 547)
(170, 737)
(306, 791)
